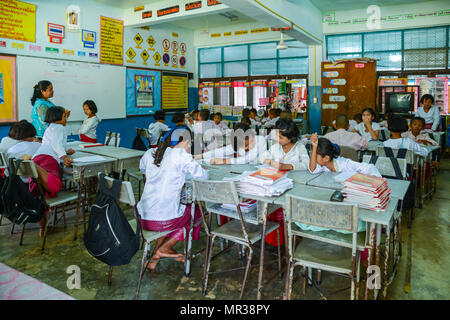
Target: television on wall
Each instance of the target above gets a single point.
(399, 102)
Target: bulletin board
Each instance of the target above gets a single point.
(143, 91)
(8, 98)
(175, 91)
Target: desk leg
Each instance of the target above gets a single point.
(386, 261)
(369, 258)
(378, 228)
(80, 200)
(261, 256)
(187, 270)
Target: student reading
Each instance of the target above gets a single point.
(42, 92)
(88, 131)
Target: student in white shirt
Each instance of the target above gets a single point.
(157, 128)
(218, 123)
(10, 140)
(88, 131)
(206, 128)
(397, 125)
(430, 113)
(253, 118)
(367, 128)
(249, 147)
(165, 170)
(289, 153)
(28, 144)
(274, 116)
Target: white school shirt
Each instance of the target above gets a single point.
(254, 122)
(406, 143)
(243, 157)
(89, 127)
(298, 156)
(432, 116)
(342, 164)
(7, 142)
(222, 126)
(161, 197)
(208, 130)
(272, 122)
(23, 147)
(155, 130)
(53, 142)
(362, 130)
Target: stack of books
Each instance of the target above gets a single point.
(246, 206)
(265, 182)
(369, 192)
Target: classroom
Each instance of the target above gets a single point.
(224, 150)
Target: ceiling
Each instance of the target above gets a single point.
(212, 21)
(126, 4)
(338, 5)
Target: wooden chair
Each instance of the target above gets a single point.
(27, 169)
(324, 250)
(112, 139)
(243, 231)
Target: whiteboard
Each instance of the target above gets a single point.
(73, 83)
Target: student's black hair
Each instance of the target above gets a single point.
(277, 112)
(195, 111)
(204, 114)
(326, 148)
(288, 129)
(427, 96)
(357, 116)
(54, 114)
(178, 117)
(397, 124)
(159, 115)
(41, 86)
(246, 121)
(342, 122)
(218, 114)
(253, 110)
(372, 112)
(25, 130)
(14, 130)
(91, 105)
(245, 128)
(246, 113)
(161, 149)
(419, 119)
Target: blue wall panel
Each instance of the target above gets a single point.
(315, 119)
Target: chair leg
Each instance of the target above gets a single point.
(209, 247)
(45, 235)
(305, 278)
(279, 250)
(21, 236)
(142, 270)
(319, 276)
(290, 277)
(110, 275)
(1, 218)
(247, 268)
(12, 228)
(64, 217)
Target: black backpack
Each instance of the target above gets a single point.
(19, 205)
(138, 144)
(109, 237)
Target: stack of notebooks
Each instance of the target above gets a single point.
(246, 206)
(369, 192)
(264, 182)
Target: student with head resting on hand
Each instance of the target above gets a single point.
(343, 137)
(165, 170)
(429, 112)
(244, 149)
(11, 139)
(289, 153)
(42, 92)
(368, 128)
(28, 143)
(50, 154)
(88, 131)
(156, 129)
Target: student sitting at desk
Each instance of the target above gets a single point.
(247, 150)
(28, 143)
(178, 118)
(205, 127)
(288, 153)
(165, 170)
(192, 118)
(357, 118)
(343, 137)
(157, 128)
(274, 115)
(367, 128)
(88, 131)
(11, 139)
(218, 123)
(252, 117)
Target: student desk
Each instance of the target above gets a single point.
(301, 176)
(236, 168)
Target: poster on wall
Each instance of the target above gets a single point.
(8, 98)
(438, 88)
(23, 26)
(174, 91)
(144, 91)
(73, 18)
(111, 41)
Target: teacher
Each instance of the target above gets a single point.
(42, 92)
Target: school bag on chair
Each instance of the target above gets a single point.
(18, 203)
(138, 143)
(109, 237)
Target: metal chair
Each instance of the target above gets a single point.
(112, 139)
(243, 231)
(3, 165)
(27, 169)
(326, 250)
(386, 167)
(350, 153)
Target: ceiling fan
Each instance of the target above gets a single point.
(282, 45)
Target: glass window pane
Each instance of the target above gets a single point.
(235, 53)
(210, 70)
(425, 59)
(210, 55)
(344, 44)
(258, 92)
(425, 38)
(234, 69)
(343, 56)
(387, 60)
(294, 66)
(262, 67)
(225, 96)
(294, 52)
(263, 50)
(382, 41)
(240, 96)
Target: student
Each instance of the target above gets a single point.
(274, 115)
(397, 125)
(27, 141)
(384, 124)
(246, 121)
(49, 155)
(286, 115)
(416, 133)
(357, 118)
(160, 207)
(246, 113)
(288, 153)
(430, 113)
(218, 123)
(205, 127)
(190, 121)
(247, 149)
(88, 131)
(343, 137)
(10, 140)
(42, 92)
(156, 129)
(252, 117)
(178, 118)
(325, 158)
(368, 128)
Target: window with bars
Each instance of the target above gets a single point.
(253, 60)
(412, 49)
